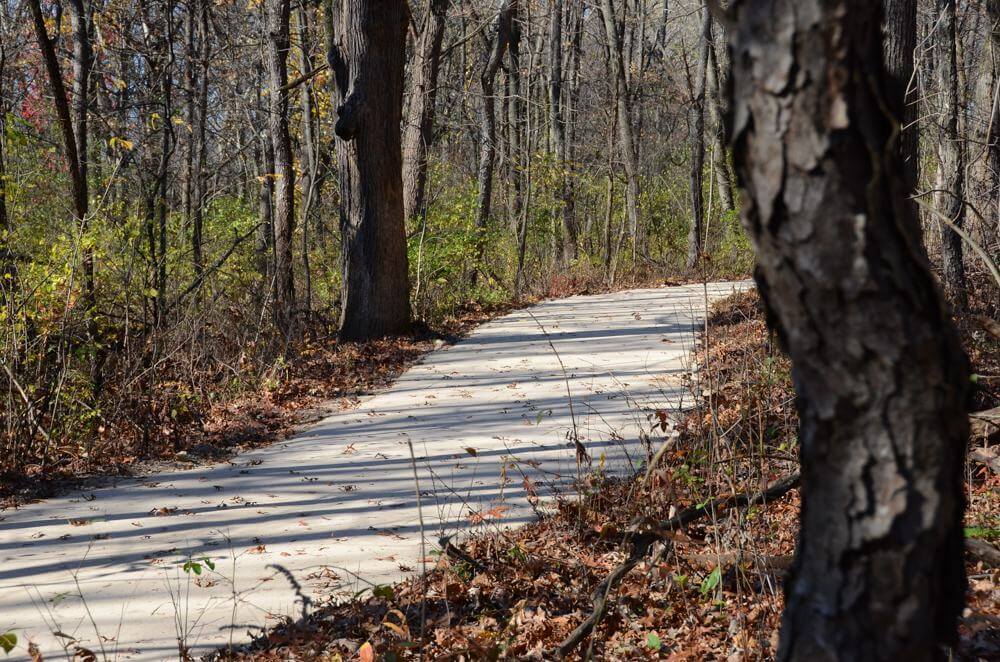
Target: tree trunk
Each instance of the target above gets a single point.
(720, 159)
(515, 123)
(418, 134)
(696, 139)
(950, 195)
(8, 268)
(899, 33)
(367, 51)
(992, 140)
(278, 14)
(75, 145)
(487, 136)
(165, 75)
(199, 191)
(626, 139)
(264, 245)
(557, 131)
(570, 116)
(309, 145)
(879, 372)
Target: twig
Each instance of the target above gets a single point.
(644, 534)
(979, 250)
(581, 451)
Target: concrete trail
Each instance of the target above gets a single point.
(336, 506)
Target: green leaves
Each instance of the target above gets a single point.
(709, 583)
(7, 642)
(982, 533)
(196, 565)
(653, 641)
(384, 592)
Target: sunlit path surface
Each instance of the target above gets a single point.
(335, 507)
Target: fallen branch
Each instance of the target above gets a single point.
(645, 533)
(990, 325)
(987, 457)
(983, 551)
(768, 562)
(984, 424)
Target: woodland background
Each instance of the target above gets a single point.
(190, 253)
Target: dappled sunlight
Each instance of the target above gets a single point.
(492, 431)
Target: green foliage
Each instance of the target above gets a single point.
(197, 565)
(8, 641)
(982, 533)
(446, 272)
(711, 581)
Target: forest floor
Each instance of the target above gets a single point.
(711, 590)
(208, 553)
(321, 376)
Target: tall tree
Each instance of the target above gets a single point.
(950, 189)
(366, 50)
(557, 130)
(880, 375)
(74, 129)
(714, 86)
(696, 139)
(899, 40)
(991, 139)
(278, 16)
(418, 133)
(496, 48)
(626, 140)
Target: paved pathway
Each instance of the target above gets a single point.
(335, 507)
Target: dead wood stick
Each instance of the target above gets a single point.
(990, 325)
(984, 424)
(983, 551)
(643, 534)
(987, 457)
(770, 562)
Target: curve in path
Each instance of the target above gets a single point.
(335, 507)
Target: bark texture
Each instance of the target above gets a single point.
(278, 16)
(626, 140)
(950, 195)
(419, 130)
(899, 39)
(880, 375)
(714, 84)
(501, 33)
(992, 141)
(696, 139)
(367, 54)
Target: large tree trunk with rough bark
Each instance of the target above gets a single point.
(950, 188)
(367, 52)
(418, 134)
(880, 374)
(278, 16)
